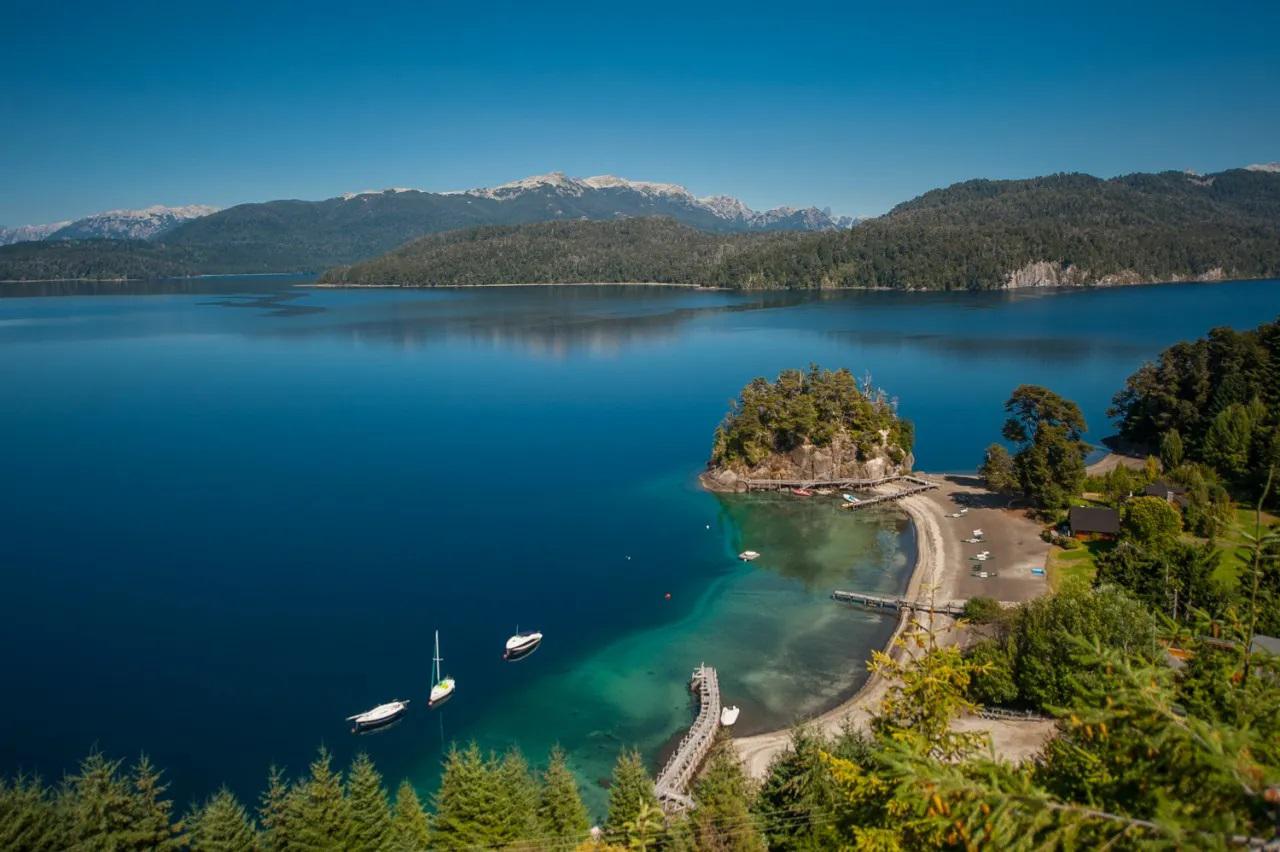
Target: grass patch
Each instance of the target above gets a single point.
(1230, 562)
(1078, 565)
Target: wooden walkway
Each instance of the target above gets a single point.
(896, 604)
(759, 484)
(674, 779)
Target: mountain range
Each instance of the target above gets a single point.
(293, 235)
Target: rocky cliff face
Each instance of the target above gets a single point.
(842, 459)
(1046, 273)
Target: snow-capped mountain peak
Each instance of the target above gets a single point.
(655, 197)
(144, 224)
(1264, 167)
(30, 233)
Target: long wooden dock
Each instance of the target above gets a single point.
(916, 485)
(674, 779)
(880, 602)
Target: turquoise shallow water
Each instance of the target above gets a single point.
(234, 512)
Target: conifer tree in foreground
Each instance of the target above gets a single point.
(723, 819)
(410, 828)
(517, 797)
(561, 813)
(273, 811)
(319, 814)
(220, 825)
(467, 802)
(370, 812)
(101, 810)
(630, 789)
(27, 816)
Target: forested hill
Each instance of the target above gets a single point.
(1058, 230)
(101, 260)
(1066, 229)
(630, 250)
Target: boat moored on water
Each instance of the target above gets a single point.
(729, 715)
(849, 498)
(748, 555)
(802, 492)
(521, 645)
(379, 717)
(442, 687)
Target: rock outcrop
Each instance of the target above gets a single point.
(842, 459)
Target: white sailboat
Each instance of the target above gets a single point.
(379, 717)
(442, 687)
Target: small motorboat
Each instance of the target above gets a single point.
(978, 533)
(379, 717)
(849, 498)
(443, 688)
(521, 645)
(963, 511)
(729, 715)
(802, 492)
(748, 555)
(823, 492)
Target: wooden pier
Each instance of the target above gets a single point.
(915, 485)
(674, 779)
(879, 602)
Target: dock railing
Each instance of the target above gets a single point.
(673, 781)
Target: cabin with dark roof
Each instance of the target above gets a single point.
(1092, 522)
(1170, 492)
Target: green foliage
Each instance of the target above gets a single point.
(825, 408)
(1171, 450)
(274, 812)
(319, 814)
(561, 813)
(220, 825)
(992, 680)
(517, 797)
(1047, 669)
(467, 803)
(370, 812)
(982, 610)
(997, 470)
(630, 793)
(1150, 522)
(28, 817)
(723, 819)
(410, 828)
(1220, 394)
(1175, 578)
(1049, 463)
(97, 260)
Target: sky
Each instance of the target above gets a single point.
(852, 106)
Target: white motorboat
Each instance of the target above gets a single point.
(977, 533)
(849, 498)
(748, 555)
(521, 645)
(729, 715)
(443, 687)
(378, 717)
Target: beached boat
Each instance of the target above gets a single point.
(521, 645)
(443, 687)
(379, 717)
(729, 715)
(849, 498)
(802, 492)
(823, 492)
(748, 555)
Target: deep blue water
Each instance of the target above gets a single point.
(230, 520)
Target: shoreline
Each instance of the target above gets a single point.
(936, 573)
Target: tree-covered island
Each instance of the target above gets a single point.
(810, 424)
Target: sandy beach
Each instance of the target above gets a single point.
(942, 573)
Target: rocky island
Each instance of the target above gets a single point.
(810, 424)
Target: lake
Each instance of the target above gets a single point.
(235, 511)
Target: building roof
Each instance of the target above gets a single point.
(1270, 644)
(1160, 488)
(1087, 519)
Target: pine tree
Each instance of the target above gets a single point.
(644, 830)
(630, 789)
(273, 812)
(467, 802)
(28, 819)
(221, 825)
(410, 829)
(561, 813)
(322, 812)
(370, 813)
(151, 818)
(723, 819)
(96, 805)
(518, 797)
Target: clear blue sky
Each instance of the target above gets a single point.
(122, 105)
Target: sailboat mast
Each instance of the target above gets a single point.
(437, 659)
